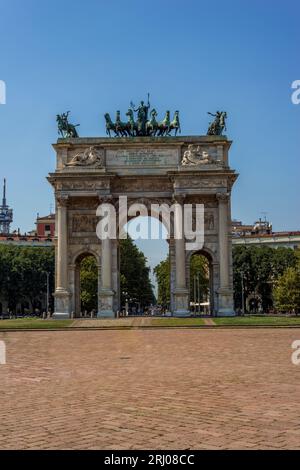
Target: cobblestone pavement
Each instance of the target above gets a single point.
(150, 389)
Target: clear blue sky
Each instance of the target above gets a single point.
(196, 56)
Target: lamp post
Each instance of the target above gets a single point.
(48, 294)
(243, 293)
(199, 293)
(195, 295)
(126, 303)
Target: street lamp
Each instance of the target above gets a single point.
(48, 289)
(243, 292)
(126, 303)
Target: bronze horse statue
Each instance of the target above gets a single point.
(110, 126)
(152, 125)
(164, 126)
(175, 124)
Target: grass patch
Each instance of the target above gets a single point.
(177, 322)
(34, 323)
(259, 321)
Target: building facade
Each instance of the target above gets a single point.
(261, 234)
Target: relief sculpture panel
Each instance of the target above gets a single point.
(84, 223)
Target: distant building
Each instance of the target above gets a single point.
(42, 236)
(258, 228)
(261, 234)
(6, 214)
(45, 226)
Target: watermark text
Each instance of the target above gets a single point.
(2, 92)
(296, 94)
(296, 354)
(2, 353)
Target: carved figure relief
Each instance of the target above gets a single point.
(197, 155)
(91, 157)
(84, 223)
(209, 221)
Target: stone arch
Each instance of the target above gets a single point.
(145, 170)
(147, 202)
(211, 257)
(83, 252)
(77, 260)
(149, 217)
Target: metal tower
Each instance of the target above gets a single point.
(6, 214)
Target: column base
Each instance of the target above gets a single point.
(62, 304)
(61, 316)
(106, 314)
(225, 303)
(105, 310)
(181, 303)
(181, 313)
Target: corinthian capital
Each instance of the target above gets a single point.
(62, 200)
(105, 199)
(222, 197)
(178, 198)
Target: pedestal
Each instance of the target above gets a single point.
(225, 303)
(62, 304)
(181, 297)
(105, 309)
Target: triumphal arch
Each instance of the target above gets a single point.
(148, 169)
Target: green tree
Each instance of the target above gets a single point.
(10, 281)
(23, 273)
(134, 274)
(162, 273)
(259, 267)
(89, 284)
(199, 270)
(287, 291)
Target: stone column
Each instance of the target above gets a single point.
(225, 291)
(181, 292)
(106, 293)
(62, 295)
(72, 288)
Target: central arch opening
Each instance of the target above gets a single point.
(148, 245)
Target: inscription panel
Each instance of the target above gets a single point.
(157, 157)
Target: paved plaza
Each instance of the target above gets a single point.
(150, 389)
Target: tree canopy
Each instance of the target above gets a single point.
(287, 289)
(89, 284)
(23, 273)
(134, 274)
(258, 268)
(162, 273)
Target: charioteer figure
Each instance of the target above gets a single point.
(219, 124)
(142, 116)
